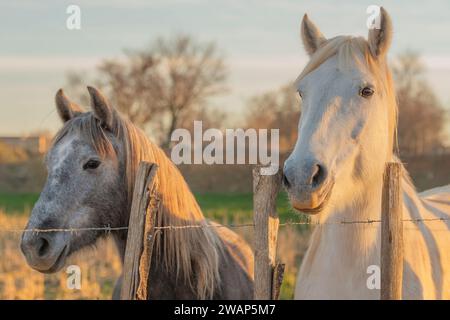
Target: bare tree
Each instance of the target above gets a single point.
(192, 74)
(132, 86)
(278, 109)
(421, 116)
(164, 87)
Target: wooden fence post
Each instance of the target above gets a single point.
(265, 191)
(136, 240)
(149, 238)
(391, 234)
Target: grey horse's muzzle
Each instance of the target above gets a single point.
(45, 252)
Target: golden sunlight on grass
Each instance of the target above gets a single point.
(100, 268)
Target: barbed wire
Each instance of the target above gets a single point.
(73, 230)
(108, 229)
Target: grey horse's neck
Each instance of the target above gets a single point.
(163, 285)
(175, 255)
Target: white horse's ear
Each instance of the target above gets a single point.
(66, 109)
(380, 38)
(311, 36)
(101, 108)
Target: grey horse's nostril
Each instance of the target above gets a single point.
(42, 246)
(318, 176)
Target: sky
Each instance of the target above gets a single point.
(259, 40)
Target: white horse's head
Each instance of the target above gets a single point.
(347, 126)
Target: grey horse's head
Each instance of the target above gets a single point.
(85, 186)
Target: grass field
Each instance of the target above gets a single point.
(101, 267)
(214, 205)
(16, 203)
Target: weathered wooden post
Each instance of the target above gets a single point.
(135, 271)
(391, 234)
(268, 274)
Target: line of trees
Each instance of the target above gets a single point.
(422, 119)
(164, 87)
(171, 83)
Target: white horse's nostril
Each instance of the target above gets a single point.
(315, 175)
(318, 175)
(286, 182)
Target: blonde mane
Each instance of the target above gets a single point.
(192, 255)
(355, 51)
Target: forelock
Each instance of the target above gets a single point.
(88, 129)
(350, 52)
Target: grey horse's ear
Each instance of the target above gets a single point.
(380, 37)
(311, 36)
(101, 108)
(66, 109)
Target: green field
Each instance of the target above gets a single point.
(218, 206)
(232, 206)
(17, 203)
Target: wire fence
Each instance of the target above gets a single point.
(108, 229)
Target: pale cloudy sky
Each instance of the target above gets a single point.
(260, 40)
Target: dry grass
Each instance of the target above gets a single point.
(101, 267)
(292, 245)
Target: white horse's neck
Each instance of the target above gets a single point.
(344, 251)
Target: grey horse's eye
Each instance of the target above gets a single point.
(366, 92)
(91, 164)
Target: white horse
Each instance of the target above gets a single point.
(346, 135)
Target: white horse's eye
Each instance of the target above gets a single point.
(300, 94)
(366, 92)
